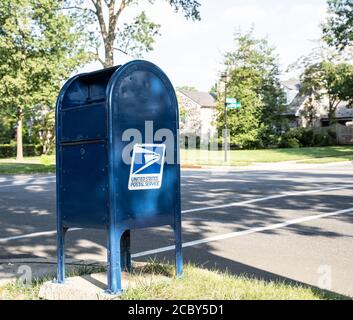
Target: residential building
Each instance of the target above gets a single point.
(198, 112)
(301, 112)
(297, 106)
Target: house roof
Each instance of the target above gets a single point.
(343, 110)
(204, 99)
(295, 105)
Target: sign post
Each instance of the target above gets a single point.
(230, 103)
(225, 122)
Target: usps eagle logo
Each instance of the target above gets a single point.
(147, 164)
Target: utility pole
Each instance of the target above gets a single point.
(224, 79)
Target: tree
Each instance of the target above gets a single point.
(338, 29)
(326, 80)
(253, 79)
(39, 47)
(7, 133)
(321, 52)
(133, 38)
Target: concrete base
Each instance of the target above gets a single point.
(38, 268)
(93, 287)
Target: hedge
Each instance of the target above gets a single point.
(9, 150)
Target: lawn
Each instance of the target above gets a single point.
(43, 164)
(203, 284)
(248, 157)
(196, 284)
(46, 164)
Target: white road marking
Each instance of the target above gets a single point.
(278, 196)
(34, 235)
(243, 232)
(234, 204)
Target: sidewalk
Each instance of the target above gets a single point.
(37, 268)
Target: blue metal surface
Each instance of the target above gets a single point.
(93, 112)
(84, 180)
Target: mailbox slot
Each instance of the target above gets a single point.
(94, 116)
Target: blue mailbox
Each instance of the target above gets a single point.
(117, 159)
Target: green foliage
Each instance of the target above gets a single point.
(321, 52)
(253, 80)
(305, 137)
(102, 25)
(40, 46)
(46, 160)
(42, 122)
(190, 8)
(182, 114)
(328, 80)
(7, 132)
(138, 36)
(9, 150)
(338, 29)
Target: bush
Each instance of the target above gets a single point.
(289, 143)
(9, 150)
(303, 137)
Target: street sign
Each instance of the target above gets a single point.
(231, 100)
(236, 105)
(232, 103)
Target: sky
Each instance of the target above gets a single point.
(191, 53)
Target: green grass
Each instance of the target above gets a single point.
(328, 160)
(249, 157)
(46, 164)
(196, 284)
(30, 165)
(202, 284)
(18, 291)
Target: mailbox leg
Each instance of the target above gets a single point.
(114, 260)
(126, 251)
(178, 249)
(61, 233)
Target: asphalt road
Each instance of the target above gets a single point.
(294, 225)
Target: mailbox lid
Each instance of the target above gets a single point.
(82, 111)
(138, 92)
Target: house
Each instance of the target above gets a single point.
(297, 109)
(301, 112)
(198, 112)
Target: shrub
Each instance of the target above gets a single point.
(303, 137)
(9, 150)
(45, 160)
(289, 143)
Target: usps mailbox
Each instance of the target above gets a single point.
(117, 159)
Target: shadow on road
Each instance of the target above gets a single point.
(31, 208)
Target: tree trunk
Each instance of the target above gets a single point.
(109, 33)
(109, 54)
(19, 154)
